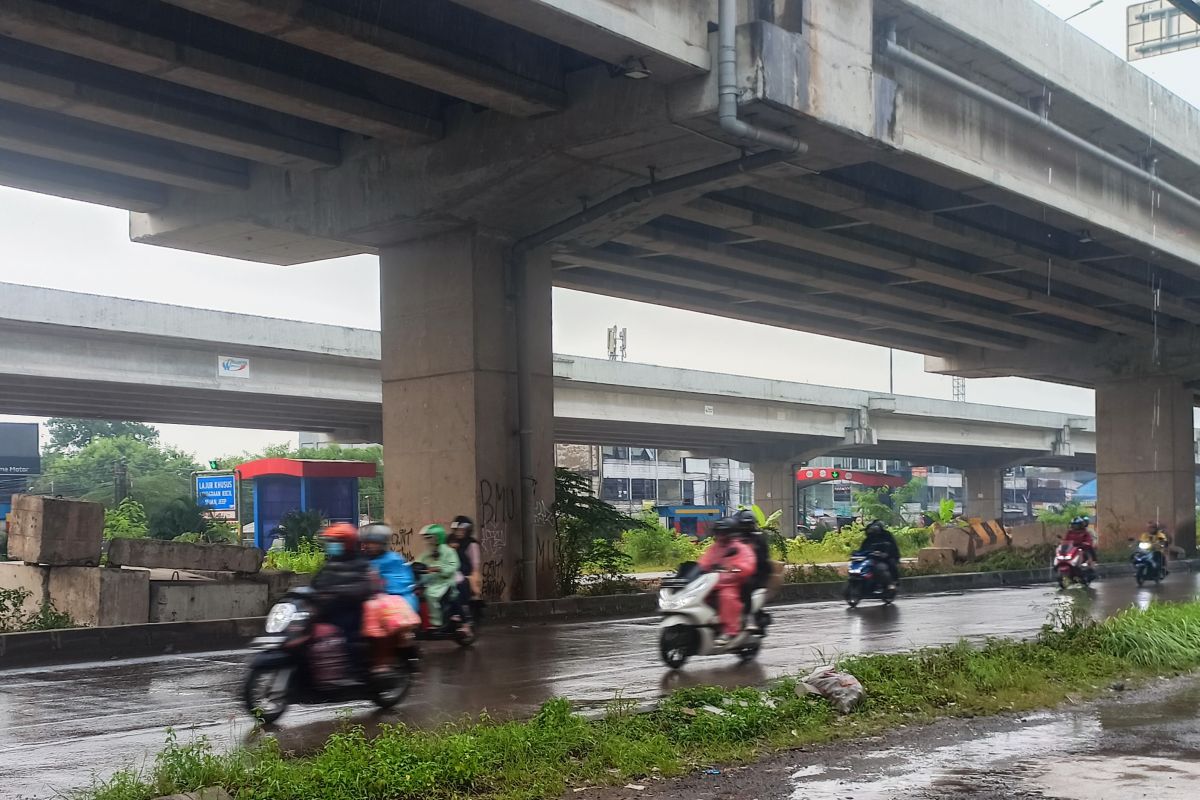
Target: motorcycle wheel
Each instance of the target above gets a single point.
(262, 695)
(1064, 581)
(390, 697)
(853, 594)
(676, 645)
(464, 639)
(1141, 576)
(748, 653)
(889, 597)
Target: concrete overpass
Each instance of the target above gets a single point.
(973, 181)
(72, 354)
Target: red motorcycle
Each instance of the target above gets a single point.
(1071, 566)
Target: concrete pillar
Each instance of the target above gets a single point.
(1145, 459)
(775, 490)
(450, 410)
(984, 492)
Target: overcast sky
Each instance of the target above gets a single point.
(68, 245)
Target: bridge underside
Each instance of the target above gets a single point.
(981, 189)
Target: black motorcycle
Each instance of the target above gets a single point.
(454, 630)
(867, 578)
(1148, 564)
(295, 658)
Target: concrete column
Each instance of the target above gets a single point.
(1145, 459)
(450, 411)
(984, 492)
(775, 489)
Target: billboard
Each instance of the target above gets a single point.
(19, 452)
(1160, 27)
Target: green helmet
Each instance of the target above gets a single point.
(436, 531)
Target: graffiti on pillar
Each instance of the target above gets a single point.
(402, 541)
(492, 574)
(497, 510)
(543, 517)
(547, 556)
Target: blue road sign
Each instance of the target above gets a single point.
(216, 492)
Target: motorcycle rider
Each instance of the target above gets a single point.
(736, 563)
(756, 540)
(393, 568)
(1158, 539)
(470, 557)
(344, 582)
(442, 564)
(879, 539)
(1079, 535)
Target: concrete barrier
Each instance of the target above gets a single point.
(930, 557)
(181, 601)
(29, 577)
(133, 641)
(184, 556)
(54, 531)
(101, 596)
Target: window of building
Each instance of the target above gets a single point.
(746, 492)
(615, 489)
(719, 492)
(670, 491)
(670, 456)
(642, 489)
(615, 453)
(642, 454)
(843, 494)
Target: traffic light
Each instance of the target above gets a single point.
(214, 464)
(835, 474)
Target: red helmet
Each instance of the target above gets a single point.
(342, 532)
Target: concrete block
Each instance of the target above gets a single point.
(101, 597)
(183, 555)
(181, 601)
(54, 531)
(1033, 534)
(930, 557)
(280, 583)
(31, 578)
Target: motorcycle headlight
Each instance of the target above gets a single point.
(672, 601)
(280, 616)
(1144, 545)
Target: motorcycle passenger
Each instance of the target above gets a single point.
(879, 539)
(736, 563)
(442, 564)
(1158, 539)
(344, 582)
(470, 557)
(393, 568)
(756, 540)
(1079, 535)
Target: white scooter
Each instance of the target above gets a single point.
(691, 624)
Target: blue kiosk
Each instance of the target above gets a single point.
(282, 485)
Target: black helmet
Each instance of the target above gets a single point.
(376, 533)
(876, 527)
(746, 521)
(726, 526)
(1079, 524)
(462, 525)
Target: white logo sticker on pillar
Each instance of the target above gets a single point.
(233, 367)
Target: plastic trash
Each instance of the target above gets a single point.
(841, 689)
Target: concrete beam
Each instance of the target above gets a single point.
(364, 42)
(778, 229)
(670, 35)
(893, 215)
(832, 279)
(784, 294)
(156, 113)
(85, 144)
(79, 183)
(666, 294)
(50, 26)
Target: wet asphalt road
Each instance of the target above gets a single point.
(59, 726)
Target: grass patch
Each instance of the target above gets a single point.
(557, 749)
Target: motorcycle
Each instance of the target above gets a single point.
(450, 630)
(1148, 564)
(864, 579)
(1070, 563)
(299, 660)
(691, 624)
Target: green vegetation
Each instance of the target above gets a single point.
(1062, 515)
(70, 435)
(301, 527)
(836, 546)
(555, 750)
(15, 619)
(126, 521)
(653, 548)
(586, 533)
(885, 503)
(307, 557)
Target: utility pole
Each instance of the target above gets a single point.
(120, 481)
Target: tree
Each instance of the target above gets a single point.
(586, 530)
(69, 434)
(156, 475)
(126, 521)
(181, 516)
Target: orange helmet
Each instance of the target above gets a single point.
(342, 532)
